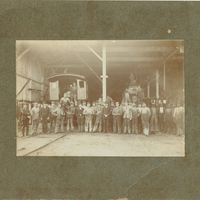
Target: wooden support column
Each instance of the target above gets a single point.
(157, 83)
(104, 76)
(164, 78)
(148, 90)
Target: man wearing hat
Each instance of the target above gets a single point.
(24, 119)
(117, 115)
(45, 114)
(99, 118)
(70, 116)
(106, 117)
(127, 118)
(53, 108)
(35, 114)
(80, 117)
(154, 118)
(134, 122)
(88, 112)
(178, 117)
(145, 116)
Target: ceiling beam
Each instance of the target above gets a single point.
(23, 53)
(95, 53)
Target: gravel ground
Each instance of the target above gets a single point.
(100, 144)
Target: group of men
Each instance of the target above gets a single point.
(107, 117)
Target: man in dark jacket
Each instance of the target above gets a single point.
(70, 116)
(24, 119)
(106, 118)
(45, 113)
(117, 115)
(80, 118)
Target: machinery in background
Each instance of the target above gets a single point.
(73, 85)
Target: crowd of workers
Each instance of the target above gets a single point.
(106, 117)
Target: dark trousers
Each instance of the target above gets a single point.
(44, 125)
(135, 125)
(161, 121)
(169, 125)
(140, 125)
(52, 123)
(81, 123)
(117, 123)
(25, 129)
(106, 124)
(127, 125)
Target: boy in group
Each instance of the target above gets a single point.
(127, 117)
(117, 114)
(88, 112)
(106, 118)
(98, 121)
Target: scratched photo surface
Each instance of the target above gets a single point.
(120, 98)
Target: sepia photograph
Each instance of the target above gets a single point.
(122, 98)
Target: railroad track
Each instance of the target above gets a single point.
(43, 146)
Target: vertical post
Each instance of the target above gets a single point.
(164, 78)
(104, 76)
(148, 90)
(157, 83)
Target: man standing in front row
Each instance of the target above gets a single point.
(88, 112)
(44, 117)
(70, 117)
(98, 120)
(35, 113)
(117, 114)
(135, 113)
(80, 117)
(24, 119)
(145, 116)
(127, 117)
(53, 108)
(106, 118)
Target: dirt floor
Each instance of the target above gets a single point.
(101, 144)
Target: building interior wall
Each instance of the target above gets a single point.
(29, 67)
